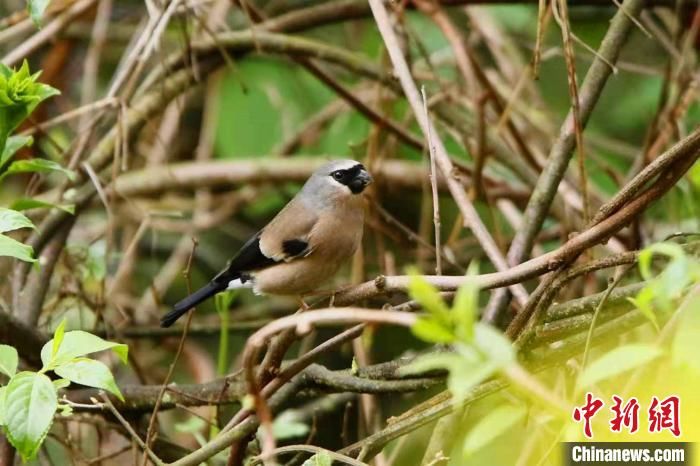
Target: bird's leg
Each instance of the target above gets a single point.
(303, 307)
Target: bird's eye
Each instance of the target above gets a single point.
(337, 175)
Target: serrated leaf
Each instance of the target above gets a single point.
(12, 145)
(617, 361)
(8, 360)
(492, 425)
(432, 330)
(78, 343)
(37, 166)
(319, 459)
(30, 403)
(13, 248)
(11, 220)
(28, 203)
(37, 9)
(91, 373)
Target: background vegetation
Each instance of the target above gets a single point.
(527, 155)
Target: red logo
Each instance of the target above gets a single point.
(665, 415)
(627, 415)
(587, 411)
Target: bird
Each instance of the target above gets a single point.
(303, 246)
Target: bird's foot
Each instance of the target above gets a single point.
(303, 307)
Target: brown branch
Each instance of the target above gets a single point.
(562, 150)
(469, 213)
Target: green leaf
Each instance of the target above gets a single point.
(428, 329)
(37, 166)
(686, 344)
(91, 373)
(668, 249)
(463, 379)
(494, 345)
(8, 360)
(60, 383)
(617, 361)
(30, 402)
(466, 302)
(58, 337)
(12, 145)
(13, 248)
(287, 426)
(11, 220)
(495, 423)
(79, 343)
(36, 10)
(28, 203)
(429, 297)
(644, 304)
(319, 459)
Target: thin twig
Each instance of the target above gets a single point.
(433, 185)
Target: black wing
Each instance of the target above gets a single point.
(249, 257)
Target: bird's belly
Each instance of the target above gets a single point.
(300, 277)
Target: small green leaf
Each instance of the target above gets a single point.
(37, 166)
(30, 402)
(495, 423)
(28, 203)
(671, 250)
(58, 337)
(13, 248)
(354, 367)
(644, 304)
(11, 220)
(79, 343)
(36, 10)
(428, 329)
(494, 345)
(319, 459)
(287, 426)
(465, 305)
(429, 297)
(60, 383)
(8, 360)
(616, 362)
(12, 145)
(91, 373)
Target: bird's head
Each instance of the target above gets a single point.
(339, 179)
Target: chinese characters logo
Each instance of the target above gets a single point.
(661, 415)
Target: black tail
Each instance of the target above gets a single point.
(207, 291)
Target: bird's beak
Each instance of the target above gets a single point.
(360, 182)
